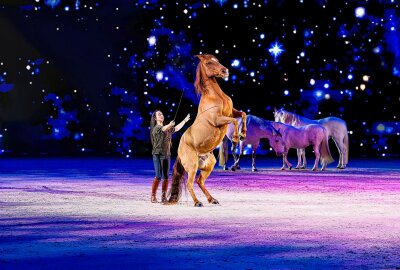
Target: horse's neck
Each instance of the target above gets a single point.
(279, 126)
(302, 121)
(213, 88)
(212, 97)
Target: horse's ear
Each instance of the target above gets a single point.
(198, 56)
(274, 109)
(278, 133)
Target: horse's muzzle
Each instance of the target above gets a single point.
(279, 154)
(225, 75)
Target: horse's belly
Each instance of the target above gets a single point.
(208, 142)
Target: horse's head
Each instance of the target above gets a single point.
(211, 66)
(277, 143)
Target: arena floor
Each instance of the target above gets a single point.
(95, 213)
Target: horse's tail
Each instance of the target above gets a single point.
(325, 151)
(178, 181)
(346, 144)
(222, 153)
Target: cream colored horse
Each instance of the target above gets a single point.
(215, 112)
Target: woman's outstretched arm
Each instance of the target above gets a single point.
(181, 124)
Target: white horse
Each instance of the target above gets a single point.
(301, 137)
(257, 128)
(335, 127)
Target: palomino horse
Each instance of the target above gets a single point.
(215, 112)
(257, 128)
(336, 128)
(301, 137)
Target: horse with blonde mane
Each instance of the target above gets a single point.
(195, 150)
(335, 127)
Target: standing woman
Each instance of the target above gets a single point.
(161, 136)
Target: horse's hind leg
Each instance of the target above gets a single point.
(253, 156)
(317, 156)
(206, 168)
(342, 152)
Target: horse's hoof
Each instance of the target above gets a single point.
(237, 167)
(254, 169)
(225, 168)
(283, 168)
(297, 167)
(314, 169)
(198, 204)
(303, 168)
(214, 201)
(290, 167)
(341, 167)
(233, 168)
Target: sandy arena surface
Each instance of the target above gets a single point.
(96, 214)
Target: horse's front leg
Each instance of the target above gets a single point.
(299, 163)
(235, 114)
(235, 165)
(221, 120)
(303, 156)
(284, 163)
(253, 156)
(287, 161)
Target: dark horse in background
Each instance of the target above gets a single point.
(215, 112)
(257, 129)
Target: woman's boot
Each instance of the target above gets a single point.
(154, 188)
(164, 190)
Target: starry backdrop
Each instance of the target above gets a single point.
(82, 77)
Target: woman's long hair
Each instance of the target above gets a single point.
(153, 123)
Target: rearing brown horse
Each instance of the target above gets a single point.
(215, 112)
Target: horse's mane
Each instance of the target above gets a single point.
(293, 118)
(263, 123)
(199, 82)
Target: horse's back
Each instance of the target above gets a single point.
(313, 128)
(303, 136)
(335, 126)
(332, 120)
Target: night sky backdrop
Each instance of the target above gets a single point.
(81, 77)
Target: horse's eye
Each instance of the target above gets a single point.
(208, 63)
